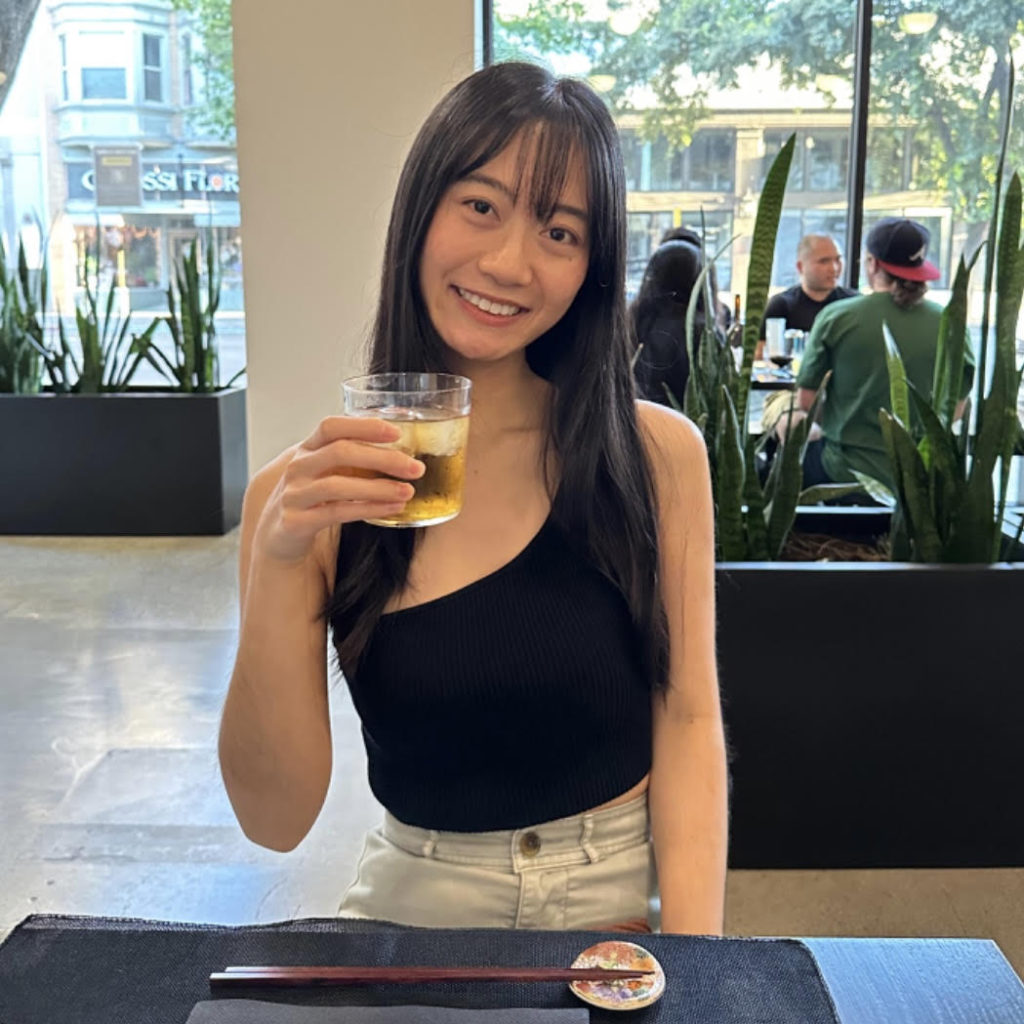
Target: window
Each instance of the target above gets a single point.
(152, 68)
(826, 154)
(645, 231)
(104, 75)
(711, 161)
(819, 160)
(706, 165)
(65, 94)
(885, 170)
(187, 87)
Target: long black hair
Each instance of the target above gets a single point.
(658, 316)
(604, 499)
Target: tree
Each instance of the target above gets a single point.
(946, 82)
(15, 21)
(212, 57)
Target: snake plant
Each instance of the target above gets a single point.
(752, 520)
(22, 302)
(107, 356)
(947, 507)
(192, 306)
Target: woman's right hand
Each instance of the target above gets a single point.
(339, 474)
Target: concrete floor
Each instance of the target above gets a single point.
(114, 660)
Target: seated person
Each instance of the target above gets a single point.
(847, 339)
(819, 265)
(658, 316)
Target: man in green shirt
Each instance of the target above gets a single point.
(847, 339)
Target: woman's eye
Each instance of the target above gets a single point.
(481, 206)
(561, 235)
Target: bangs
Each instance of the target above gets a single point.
(548, 152)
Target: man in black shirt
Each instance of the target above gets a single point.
(819, 264)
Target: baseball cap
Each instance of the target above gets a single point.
(899, 245)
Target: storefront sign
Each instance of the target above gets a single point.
(161, 182)
(116, 176)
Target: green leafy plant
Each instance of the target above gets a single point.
(947, 508)
(107, 356)
(753, 519)
(22, 305)
(193, 365)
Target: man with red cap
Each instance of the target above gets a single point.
(847, 339)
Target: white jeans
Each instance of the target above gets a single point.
(589, 871)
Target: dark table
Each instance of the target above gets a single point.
(92, 970)
(765, 379)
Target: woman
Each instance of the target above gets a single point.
(658, 318)
(536, 673)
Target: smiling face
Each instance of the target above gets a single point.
(493, 274)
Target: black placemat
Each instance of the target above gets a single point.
(248, 1011)
(112, 971)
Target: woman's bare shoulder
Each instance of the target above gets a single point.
(670, 438)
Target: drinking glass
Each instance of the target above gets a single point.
(778, 342)
(432, 411)
(796, 340)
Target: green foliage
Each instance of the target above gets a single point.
(107, 356)
(944, 487)
(213, 58)
(22, 304)
(943, 82)
(753, 520)
(193, 365)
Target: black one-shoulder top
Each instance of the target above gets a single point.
(517, 699)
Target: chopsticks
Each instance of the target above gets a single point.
(299, 976)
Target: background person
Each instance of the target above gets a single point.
(819, 265)
(847, 339)
(658, 316)
(535, 678)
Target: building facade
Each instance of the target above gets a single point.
(130, 174)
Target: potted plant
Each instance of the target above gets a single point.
(875, 707)
(93, 454)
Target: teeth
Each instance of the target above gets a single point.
(497, 308)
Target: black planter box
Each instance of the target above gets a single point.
(874, 713)
(141, 463)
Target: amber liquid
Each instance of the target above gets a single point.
(438, 440)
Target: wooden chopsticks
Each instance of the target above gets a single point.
(298, 976)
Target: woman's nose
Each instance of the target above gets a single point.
(507, 259)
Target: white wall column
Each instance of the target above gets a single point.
(329, 96)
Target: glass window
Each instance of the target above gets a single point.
(885, 169)
(187, 88)
(103, 61)
(152, 68)
(643, 233)
(773, 142)
(65, 94)
(717, 230)
(826, 155)
(711, 163)
(104, 84)
(666, 167)
(633, 158)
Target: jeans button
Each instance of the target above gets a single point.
(529, 844)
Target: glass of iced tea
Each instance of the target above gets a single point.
(432, 410)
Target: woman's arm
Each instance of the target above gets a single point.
(275, 740)
(689, 819)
